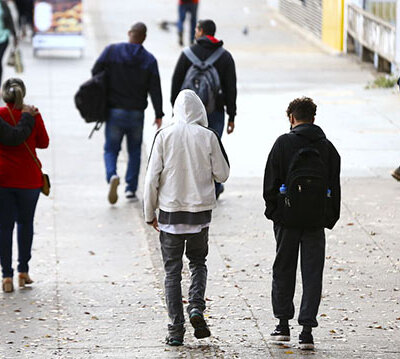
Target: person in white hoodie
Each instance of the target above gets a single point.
(185, 160)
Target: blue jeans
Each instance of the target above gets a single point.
(192, 9)
(16, 205)
(216, 121)
(120, 123)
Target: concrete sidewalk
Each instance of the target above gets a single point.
(97, 268)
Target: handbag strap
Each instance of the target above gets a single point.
(26, 145)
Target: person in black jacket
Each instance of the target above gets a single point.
(204, 47)
(14, 136)
(132, 74)
(311, 241)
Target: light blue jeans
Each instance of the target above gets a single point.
(122, 123)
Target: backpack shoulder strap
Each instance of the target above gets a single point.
(214, 56)
(192, 57)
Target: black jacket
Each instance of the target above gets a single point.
(132, 73)
(278, 164)
(13, 136)
(225, 66)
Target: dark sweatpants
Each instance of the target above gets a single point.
(312, 256)
(172, 249)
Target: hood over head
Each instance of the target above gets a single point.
(309, 131)
(189, 108)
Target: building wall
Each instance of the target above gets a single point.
(332, 23)
(306, 13)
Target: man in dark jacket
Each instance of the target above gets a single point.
(304, 133)
(132, 74)
(14, 136)
(206, 44)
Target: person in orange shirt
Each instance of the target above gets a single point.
(187, 6)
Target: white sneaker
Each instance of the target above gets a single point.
(131, 196)
(112, 192)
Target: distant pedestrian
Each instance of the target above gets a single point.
(20, 185)
(396, 173)
(25, 15)
(302, 196)
(6, 29)
(206, 46)
(187, 7)
(185, 160)
(132, 74)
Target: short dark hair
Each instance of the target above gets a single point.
(303, 109)
(208, 26)
(139, 31)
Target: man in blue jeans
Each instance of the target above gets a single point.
(132, 74)
(184, 7)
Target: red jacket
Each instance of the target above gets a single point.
(17, 167)
(189, 2)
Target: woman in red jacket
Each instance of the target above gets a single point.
(20, 184)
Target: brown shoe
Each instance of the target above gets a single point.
(8, 285)
(23, 279)
(396, 174)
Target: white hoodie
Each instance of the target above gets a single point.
(185, 160)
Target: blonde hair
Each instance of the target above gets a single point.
(14, 92)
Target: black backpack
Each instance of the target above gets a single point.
(202, 77)
(91, 100)
(304, 201)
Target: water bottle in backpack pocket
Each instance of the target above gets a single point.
(305, 199)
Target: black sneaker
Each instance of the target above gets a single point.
(200, 326)
(280, 334)
(174, 342)
(306, 341)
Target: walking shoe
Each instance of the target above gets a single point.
(174, 342)
(23, 278)
(200, 326)
(280, 334)
(396, 174)
(306, 341)
(112, 192)
(8, 285)
(131, 196)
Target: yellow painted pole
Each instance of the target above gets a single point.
(333, 23)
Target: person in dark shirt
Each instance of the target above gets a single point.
(132, 74)
(15, 135)
(311, 241)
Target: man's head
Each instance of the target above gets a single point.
(137, 33)
(204, 28)
(301, 110)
